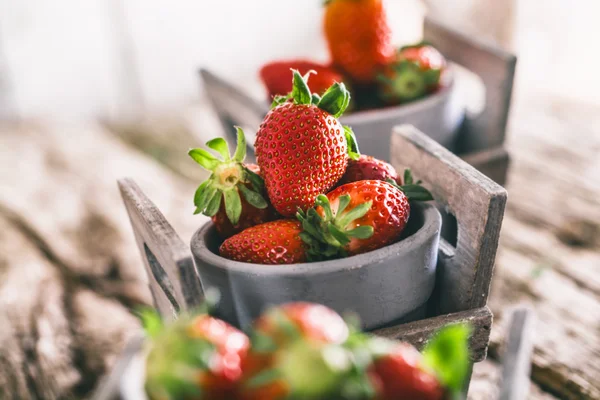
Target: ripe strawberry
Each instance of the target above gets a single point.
(368, 168)
(274, 242)
(399, 376)
(276, 76)
(401, 372)
(359, 37)
(416, 72)
(292, 345)
(379, 212)
(219, 196)
(301, 147)
(197, 357)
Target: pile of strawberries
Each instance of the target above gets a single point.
(312, 196)
(363, 57)
(297, 351)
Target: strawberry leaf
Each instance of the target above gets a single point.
(335, 100)
(204, 158)
(264, 378)
(220, 146)
(151, 321)
(353, 151)
(207, 194)
(233, 205)
(255, 199)
(416, 192)
(408, 179)
(279, 100)
(257, 182)
(316, 99)
(300, 91)
(199, 192)
(213, 204)
(447, 354)
(343, 202)
(361, 232)
(240, 150)
(340, 236)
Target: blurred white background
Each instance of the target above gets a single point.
(108, 58)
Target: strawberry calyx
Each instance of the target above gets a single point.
(328, 235)
(411, 189)
(229, 179)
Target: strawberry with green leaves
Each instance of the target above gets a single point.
(196, 357)
(401, 372)
(233, 196)
(358, 217)
(296, 352)
(301, 147)
(417, 71)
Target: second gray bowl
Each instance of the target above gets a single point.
(383, 286)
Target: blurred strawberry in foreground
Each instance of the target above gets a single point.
(290, 346)
(369, 168)
(417, 71)
(196, 357)
(234, 195)
(301, 147)
(276, 76)
(359, 37)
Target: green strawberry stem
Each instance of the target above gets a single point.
(413, 190)
(327, 236)
(228, 180)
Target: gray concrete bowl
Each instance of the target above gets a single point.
(440, 115)
(382, 287)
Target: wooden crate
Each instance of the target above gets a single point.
(464, 271)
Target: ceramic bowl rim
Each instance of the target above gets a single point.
(432, 221)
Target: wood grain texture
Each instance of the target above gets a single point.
(173, 280)
(495, 67)
(419, 332)
(493, 163)
(464, 273)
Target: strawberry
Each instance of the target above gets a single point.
(379, 212)
(359, 37)
(276, 76)
(197, 357)
(219, 196)
(399, 376)
(274, 242)
(301, 147)
(416, 72)
(369, 168)
(401, 372)
(297, 347)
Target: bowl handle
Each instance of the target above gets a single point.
(173, 281)
(494, 66)
(477, 202)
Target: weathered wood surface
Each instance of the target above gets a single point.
(465, 272)
(70, 272)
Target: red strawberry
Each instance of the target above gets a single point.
(276, 76)
(369, 168)
(275, 242)
(417, 71)
(290, 348)
(378, 214)
(219, 196)
(302, 148)
(359, 37)
(399, 376)
(196, 357)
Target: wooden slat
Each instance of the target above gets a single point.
(173, 280)
(495, 67)
(464, 273)
(493, 163)
(417, 333)
(516, 364)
